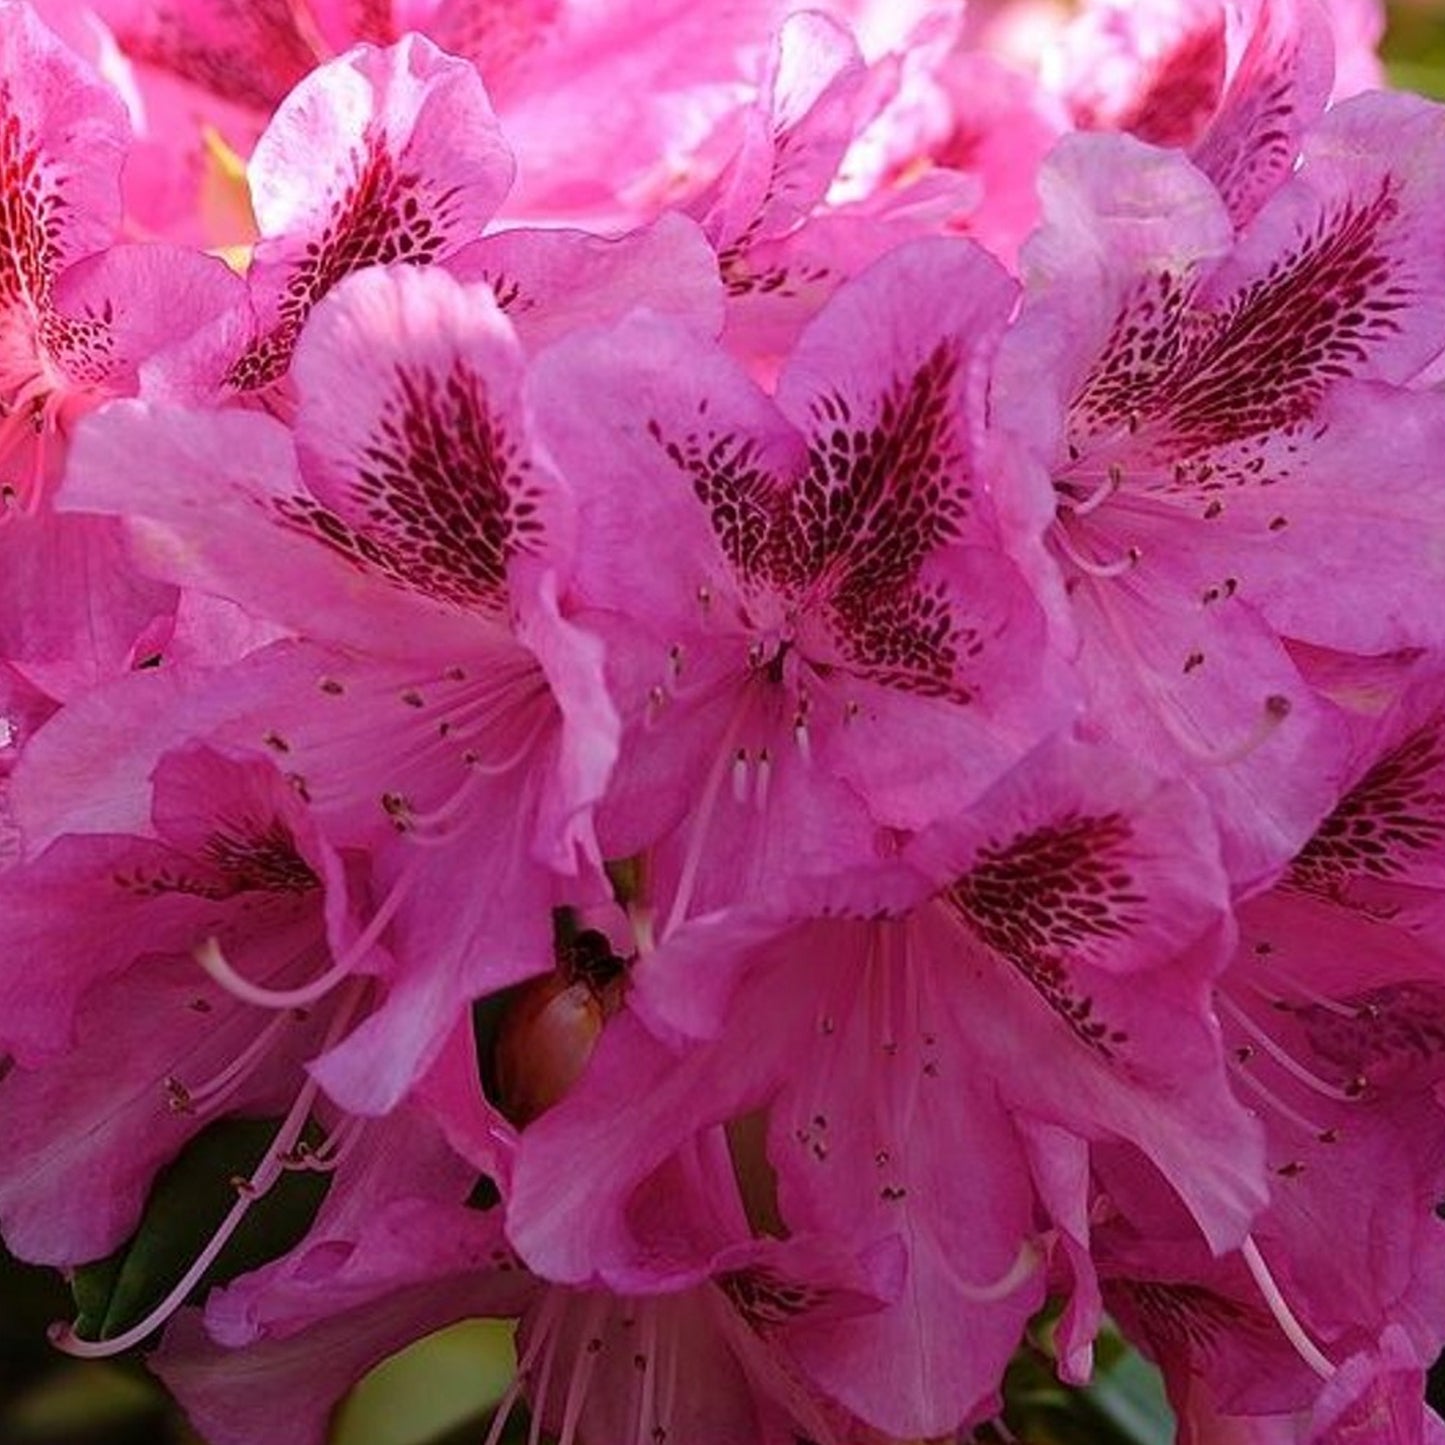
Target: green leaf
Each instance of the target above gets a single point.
(187, 1204)
(1123, 1405)
(1130, 1395)
(434, 1385)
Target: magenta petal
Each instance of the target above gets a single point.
(172, 319)
(76, 879)
(397, 105)
(550, 282)
(73, 605)
(468, 928)
(202, 467)
(415, 163)
(395, 1214)
(83, 1135)
(69, 129)
(433, 375)
(1278, 90)
(866, 1130)
(1374, 1399)
(1372, 455)
(795, 137)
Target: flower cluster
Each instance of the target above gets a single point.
(762, 686)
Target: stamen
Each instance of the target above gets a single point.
(764, 778)
(542, 1334)
(1286, 1060)
(1284, 1317)
(1117, 568)
(1309, 995)
(63, 1336)
(1273, 1100)
(643, 935)
(669, 688)
(210, 957)
(267, 1171)
(1026, 1262)
(429, 828)
(509, 1402)
(668, 1343)
(646, 1394)
(332, 1151)
(184, 1100)
(1101, 494)
(740, 776)
(539, 1395)
(702, 817)
(1276, 708)
(582, 1369)
(453, 720)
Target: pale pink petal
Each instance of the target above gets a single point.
(550, 282)
(1276, 92)
(162, 319)
(63, 145)
(74, 608)
(204, 493)
(415, 167)
(409, 385)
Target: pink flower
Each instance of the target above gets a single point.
(455, 723)
(404, 1244)
(415, 166)
(782, 250)
(81, 320)
(1332, 1018)
(1333, 1015)
(230, 857)
(834, 637)
(1053, 969)
(1235, 85)
(658, 82)
(1215, 408)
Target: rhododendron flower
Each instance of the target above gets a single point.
(416, 167)
(80, 317)
(1213, 412)
(454, 703)
(836, 638)
(898, 1066)
(395, 1253)
(1235, 85)
(754, 686)
(231, 858)
(781, 250)
(81, 320)
(1332, 1013)
(660, 83)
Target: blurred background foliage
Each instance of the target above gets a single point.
(442, 1390)
(1415, 46)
